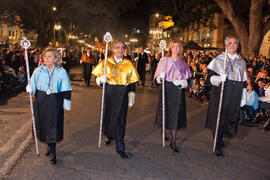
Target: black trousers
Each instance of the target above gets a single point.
(87, 72)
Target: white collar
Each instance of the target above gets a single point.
(118, 60)
(233, 57)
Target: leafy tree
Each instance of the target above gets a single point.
(250, 19)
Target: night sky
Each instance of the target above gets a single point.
(133, 17)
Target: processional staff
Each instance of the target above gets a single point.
(162, 45)
(107, 39)
(220, 103)
(26, 44)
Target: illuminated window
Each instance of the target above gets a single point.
(203, 36)
(198, 37)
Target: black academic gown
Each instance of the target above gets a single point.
(116, 105)
(175, 110)
(49, 116)
(230, 106)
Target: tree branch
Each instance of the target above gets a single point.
(266, 27)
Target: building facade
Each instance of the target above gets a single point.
(13, 34)
(204, 36)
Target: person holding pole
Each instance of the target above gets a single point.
(120, 79)
(227, 74)
(51, 85)
(175, 73)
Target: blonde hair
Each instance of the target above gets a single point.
(170, 47)
(58, 62)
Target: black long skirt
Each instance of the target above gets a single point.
(49, 116)
(175, 107)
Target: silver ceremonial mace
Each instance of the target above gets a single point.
(26, 44)
(107, 39)
(220, 103)
(162, 45)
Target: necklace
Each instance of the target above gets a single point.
(115, 71)
(231, 63)
(50, 88)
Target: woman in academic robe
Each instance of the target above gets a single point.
(176, 72)
(51, 85)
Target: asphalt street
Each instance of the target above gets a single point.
(246, 157)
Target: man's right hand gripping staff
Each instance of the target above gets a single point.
(217, 79)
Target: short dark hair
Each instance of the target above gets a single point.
(118, 41)
(226, 41)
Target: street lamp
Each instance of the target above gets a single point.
(57, 27)
(54, 8)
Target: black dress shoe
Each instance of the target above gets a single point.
(53, 159)
(123, 154)
(109, 141)
(219, 153)
(174, 148)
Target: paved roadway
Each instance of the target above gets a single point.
(246, 157)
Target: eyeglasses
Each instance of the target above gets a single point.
(232, 43)
(119, 47)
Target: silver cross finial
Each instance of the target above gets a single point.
(25, 43)
(107, 37)
(162, 44)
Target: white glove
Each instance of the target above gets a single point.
(67, 104)
(131, 99)
(183, 83)
(29, 88)
(136, 58)
(223, 77)
(98, 81)
(162, 75)
(64, 62)
(103, 79)
(244, 98)
(216, 79)
(81, 61)
(177, 82)
(158, 80)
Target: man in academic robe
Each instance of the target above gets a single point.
(88, 61)
(119, 81)
(234, 78)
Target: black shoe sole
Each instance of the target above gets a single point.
(123, 154)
